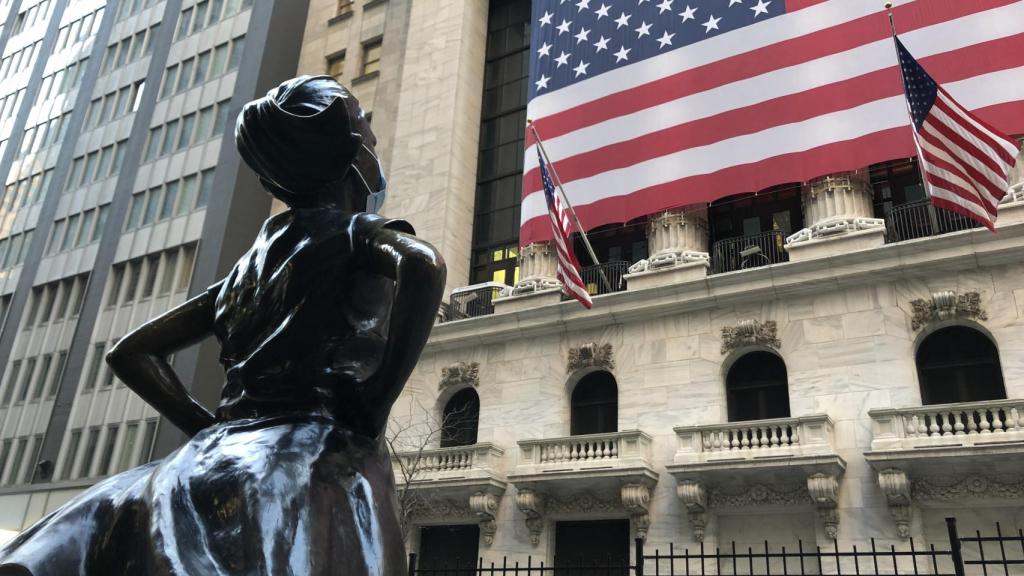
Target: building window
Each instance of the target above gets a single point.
(502, 127)
(580, 547)
(449, 549)
(959, 364)
(344, 8)
(371, 56)
(595, 405)
(757, 388)
(460, 419)
(336, 65)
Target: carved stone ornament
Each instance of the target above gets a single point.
(636, 498)
(947, 305)
(485, 506)
(968, 487)
(435, 509)
(531, 504)
(896, 486)
(590, 355)
(582, 502)
(759, 495)
(749, 333)
(460, 374)
(695, 500)
(824, 492)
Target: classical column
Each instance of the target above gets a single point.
(677, 241)
(537, 284)
(839, 213)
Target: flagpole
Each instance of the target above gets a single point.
(572, 212)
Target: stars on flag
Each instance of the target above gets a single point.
(580, 31)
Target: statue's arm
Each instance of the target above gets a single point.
(419, 274)
(140, 361)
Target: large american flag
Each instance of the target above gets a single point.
(645, 105)
(568, 267)
(965, 162)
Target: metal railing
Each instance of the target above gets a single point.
(921, 219)
(978, 554)
(751, 251)
(473, 301)
(613, 270)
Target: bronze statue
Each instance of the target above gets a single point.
(320, 324)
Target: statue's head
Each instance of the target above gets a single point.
(310, 144)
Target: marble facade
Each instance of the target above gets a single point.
(846, 326)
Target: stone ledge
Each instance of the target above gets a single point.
(665, 276)
(1009, 214)
(526, 301)
(836, 245)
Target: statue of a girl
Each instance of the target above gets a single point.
(320, 324)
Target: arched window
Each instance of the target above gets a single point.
(959, 364)
(595, 405)
(756, 388)
(460, 418)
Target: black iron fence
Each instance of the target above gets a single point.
(473, 301)
(751, 251)
(999, 554)
(921, 219)
(613, 271)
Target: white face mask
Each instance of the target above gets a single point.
(374, 198)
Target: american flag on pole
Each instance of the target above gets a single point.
(568, 272)
(966, 163)
(647, 105)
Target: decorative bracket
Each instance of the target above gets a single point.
(636, 498)
(824, 492)
(750, 332)
(460, 374)
(590, 355)
(485, 506)
(531, 504)
(896, 486)
(695, 501)
(947, 305)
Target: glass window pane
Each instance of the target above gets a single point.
(170, 195)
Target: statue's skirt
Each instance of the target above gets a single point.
(288, 495)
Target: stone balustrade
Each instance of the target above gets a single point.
(806, 435)
(586, 449)
(948, 425)
(448, 463)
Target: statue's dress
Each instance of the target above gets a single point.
(290, 480)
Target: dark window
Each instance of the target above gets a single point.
(460, 419)
(776, 209)
(595, 405)
(959, 364)
(449, 549)
(502, 127)
(594, 547)
(756, 387)
(896, 183)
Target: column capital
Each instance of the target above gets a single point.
(837, 206)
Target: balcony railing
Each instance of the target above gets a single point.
(751, 251)
(473, 301)
(586, 449)
(921, 219)
(961, 424)
(445, 463)
(803, 436)
(591, 275)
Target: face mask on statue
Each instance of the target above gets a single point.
(374, 198)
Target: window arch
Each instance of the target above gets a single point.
(595, 404)
(757, 387)
(959, 364)
(460, 419)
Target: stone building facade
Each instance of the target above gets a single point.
(776, 366)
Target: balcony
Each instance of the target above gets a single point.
(751, 251)
(969, 436)
(782, 461)
(921, 219)
(452, 485)
(613, 271)
(588, 473)
(451, 469)
(473, 301)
